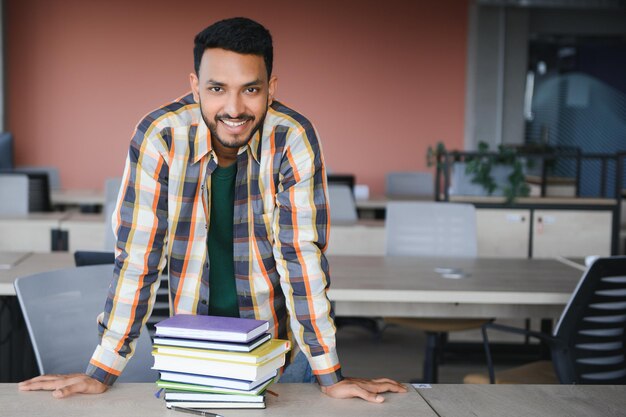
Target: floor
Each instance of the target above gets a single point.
(398, 354)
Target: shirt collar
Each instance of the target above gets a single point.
(202, 141)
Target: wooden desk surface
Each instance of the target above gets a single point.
(31, 232)
(409, 286)
(77, 197)
(527, 400)
(367, 285)
(137, 400)
(33, 264)
(380, 202)
(53, 218)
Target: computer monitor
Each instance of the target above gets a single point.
(6, 151)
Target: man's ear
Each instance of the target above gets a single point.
(272, 89)
(193, 81)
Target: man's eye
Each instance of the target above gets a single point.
(216, 89)
(252, 90)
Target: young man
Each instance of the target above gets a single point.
(233, 184)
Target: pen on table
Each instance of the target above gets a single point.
(196, 412)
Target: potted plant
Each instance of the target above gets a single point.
(483, 172)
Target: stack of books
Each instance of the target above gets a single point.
(216, 362)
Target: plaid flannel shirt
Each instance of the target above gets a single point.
(281, 227)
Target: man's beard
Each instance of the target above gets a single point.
(237, 143)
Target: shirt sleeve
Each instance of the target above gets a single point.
(302, 227)
(140, 225)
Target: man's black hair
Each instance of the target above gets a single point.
(238, 34)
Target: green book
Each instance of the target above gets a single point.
(180, 386)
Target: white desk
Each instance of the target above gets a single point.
(527, 400)
(410, 287)
(366, 237)
(378, 285)
(76, 197)
(137, 400)
(34, 263)
(29, 233)
(85, 231)
(379, 202)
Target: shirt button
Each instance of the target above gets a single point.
(203, 302)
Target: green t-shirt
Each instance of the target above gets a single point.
(223, 292)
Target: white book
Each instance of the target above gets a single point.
(206, 344)
(206, 397)
(211, 405)
(224, 369)
(171, 386)
(230, 383)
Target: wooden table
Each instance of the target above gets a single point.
(405, 286)
(412, 287)
(138, 400)
(527, 400)
(77, 197)
(33, 263)
(366, 237)
(32, 232)
(85, 231)
(304, 400)
(375, 206)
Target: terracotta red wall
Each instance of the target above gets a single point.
(380, 80)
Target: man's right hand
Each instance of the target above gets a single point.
(64, 385)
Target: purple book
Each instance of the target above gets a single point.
(225, 329)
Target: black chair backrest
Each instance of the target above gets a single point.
(86, 258)
(591, 334)
(38, 192)
(345, 179)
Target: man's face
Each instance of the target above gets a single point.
(234, 93)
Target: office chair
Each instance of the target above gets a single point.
(161, 308)
(60, 310)
(88, 258)
(342, 179)
(13, 194)
(432, 230)
(111, 191)
(409, 184)
(342, 205)
(588, 345)
(54, 178)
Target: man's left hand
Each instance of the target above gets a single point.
(368, 389)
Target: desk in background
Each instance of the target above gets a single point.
(84, 231)
(32, 263)
(376, 206)
(89, 200)
(36, 232)
(366, 237)
(410, 287)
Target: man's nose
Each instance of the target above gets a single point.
(234, 105)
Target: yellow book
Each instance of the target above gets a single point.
(263, 353)
(217, 368)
